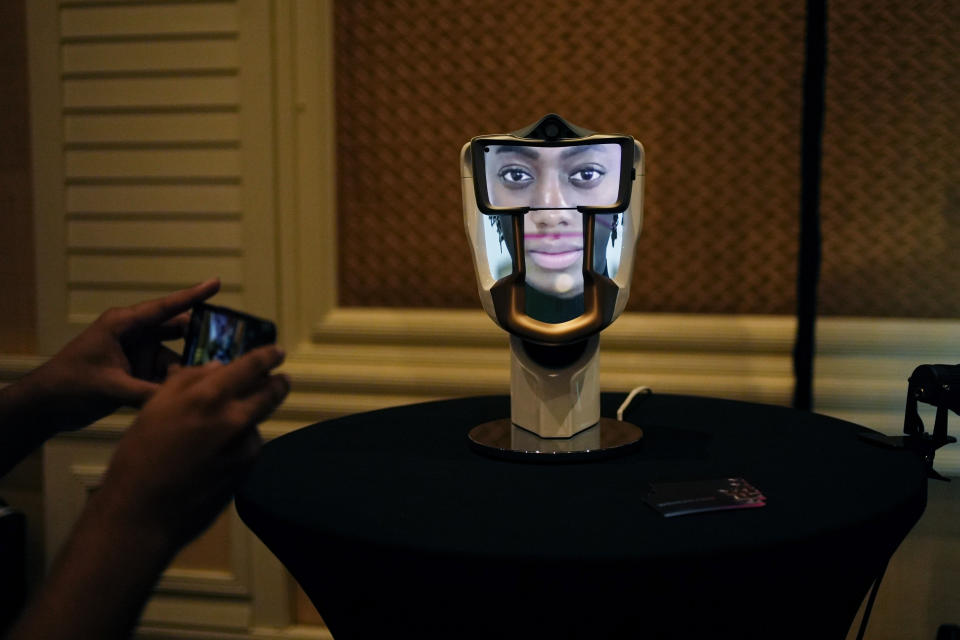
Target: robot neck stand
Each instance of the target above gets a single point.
(554, 389)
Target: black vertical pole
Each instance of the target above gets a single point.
(808, 262)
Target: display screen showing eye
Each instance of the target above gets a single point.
(552, 177)
(588, 177)
(514, 177)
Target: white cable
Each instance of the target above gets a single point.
(630, 397)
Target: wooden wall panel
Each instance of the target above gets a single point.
(190, 164)
(153, 199)
(151, 177)
(90, 302)
(17, 273)
(166, 128)
(120, 235)
(148, 20)
(142, 57)
(151, 93)
(156, 271)
(152, 153)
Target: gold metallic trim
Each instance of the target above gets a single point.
(599, 300)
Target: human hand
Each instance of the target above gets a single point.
(178, 464)
(171, 474)
(118, 360)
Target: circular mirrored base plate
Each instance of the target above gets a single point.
(503, 439)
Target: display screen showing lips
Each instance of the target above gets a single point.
(554, 251)
(560, 260)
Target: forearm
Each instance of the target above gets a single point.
(27, 419)
(100, 581)
(58, 396)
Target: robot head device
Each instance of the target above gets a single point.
(553, 213)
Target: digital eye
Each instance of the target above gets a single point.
(515, 175)
(586, 176)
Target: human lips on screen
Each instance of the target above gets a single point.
(554, 251)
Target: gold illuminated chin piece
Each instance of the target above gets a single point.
(505, 440)
(599, 301)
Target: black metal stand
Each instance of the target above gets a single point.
(935, 384)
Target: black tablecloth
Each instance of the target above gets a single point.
(393, 525)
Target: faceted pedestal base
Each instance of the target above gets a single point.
(503, 439)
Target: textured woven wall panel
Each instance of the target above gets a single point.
(891, 181)
(711, 89)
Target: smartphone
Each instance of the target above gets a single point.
(219, 333)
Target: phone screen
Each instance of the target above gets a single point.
(218, 333)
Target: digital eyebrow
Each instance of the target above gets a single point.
(524, 151)
(582, 148)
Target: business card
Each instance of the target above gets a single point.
(701, 496)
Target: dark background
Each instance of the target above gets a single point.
(713, 91)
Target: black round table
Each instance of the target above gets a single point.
(394, 527)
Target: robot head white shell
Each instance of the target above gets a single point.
(553, 213)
